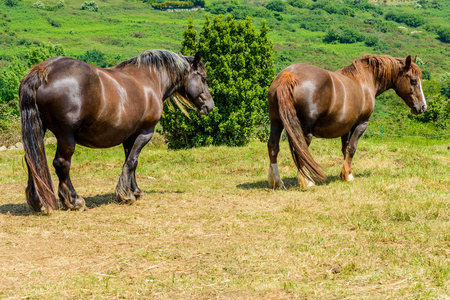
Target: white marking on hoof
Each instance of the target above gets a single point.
(304, 181)
(350, 177)
(274, 177)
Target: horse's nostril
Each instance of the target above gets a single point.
(424, 108)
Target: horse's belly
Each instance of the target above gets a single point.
(331, 130)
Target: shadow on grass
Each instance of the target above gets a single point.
(23, 209)
(292, 182)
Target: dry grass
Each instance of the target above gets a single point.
(208, 226)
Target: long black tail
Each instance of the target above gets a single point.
(39, 192)
(297, 143)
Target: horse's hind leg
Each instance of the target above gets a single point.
(66, 192)
(305, 181)
(273, 145)
(127, 190)
(349, 143)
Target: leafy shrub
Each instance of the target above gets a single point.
(200, 3)
(344, 35)
(445, 84)
(298, 3)
(173, 4)
(10, 79)
(438, 105)
(91, 6)
(379, 25)
(371, 40)
(276, 5)
(95, 57)
(410, 19)
(366, 6)
(238, 11)
(11, 3)
(444, 34)
(239, 63)
(53, 22)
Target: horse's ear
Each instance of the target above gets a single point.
(415, 58)
(180, 54)
(408, 62)
(197, 59)
(365, 62)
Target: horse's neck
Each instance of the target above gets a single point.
(381, 83)
(169, 84)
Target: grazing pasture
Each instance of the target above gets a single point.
(209, 226)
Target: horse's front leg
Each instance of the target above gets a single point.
(66, 192)
(273, 145)
(127, 190)
(349, 143)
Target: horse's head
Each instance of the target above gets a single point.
(196, 89)
(409, 87)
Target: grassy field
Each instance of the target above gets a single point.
(209, 226)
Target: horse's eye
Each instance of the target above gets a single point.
(413, 81)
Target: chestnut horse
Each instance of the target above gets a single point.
(100, 108)
(309, 101)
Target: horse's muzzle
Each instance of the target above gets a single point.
(418, 111)
(206, 108)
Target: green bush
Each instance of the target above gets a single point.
(298, 3)
(95, 57)
(91, 6)
(371, 40)
(11, 3)
(276, 5)
(344, 35)
(239, 63)
(444, 34)
(173, 4)
(410, 19)
(238, 11)
(438, 105)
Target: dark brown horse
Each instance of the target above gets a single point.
(309, 101)
(100, 108)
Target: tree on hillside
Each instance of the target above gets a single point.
(239, 63)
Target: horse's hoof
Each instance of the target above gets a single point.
(274, 177)
(129, 199)
(276, 184)
(348, 178)
(306, 184)
(137, 193)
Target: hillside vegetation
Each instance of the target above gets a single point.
(122, 29)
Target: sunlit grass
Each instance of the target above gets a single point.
(209, 226)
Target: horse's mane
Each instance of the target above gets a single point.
(385, 67)
(176, 65)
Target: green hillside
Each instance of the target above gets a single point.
(122, 29)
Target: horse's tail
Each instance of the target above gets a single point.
(39, 192)
(297, 143)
